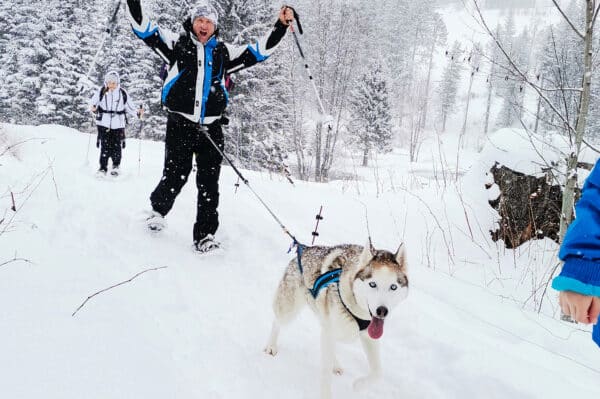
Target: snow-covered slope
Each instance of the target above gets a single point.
(196, 328)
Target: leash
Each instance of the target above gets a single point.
(295, 243)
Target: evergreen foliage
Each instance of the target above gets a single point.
(47, 49)
(371, 127)
(449, 85)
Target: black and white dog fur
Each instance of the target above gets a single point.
(372, 282)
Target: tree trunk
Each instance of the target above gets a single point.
(365, 161)
(584, 105)
(427, 83)
(444, 115)
(486, 125)
(538, 110)
(464, 127)
(318, 145)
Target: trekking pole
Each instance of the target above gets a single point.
(87, 155)
(110, 28)
(242, 178)
(140, 132)
(84, 81)
(319, 218)
(310, 77)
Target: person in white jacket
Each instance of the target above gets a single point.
(110, 103)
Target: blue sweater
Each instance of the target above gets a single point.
(580, 249)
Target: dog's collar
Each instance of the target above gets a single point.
(362, 324)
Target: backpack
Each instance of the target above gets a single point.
(104, 89)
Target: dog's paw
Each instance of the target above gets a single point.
(270, 350)
(337, 370)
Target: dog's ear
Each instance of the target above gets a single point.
(366, 255)
(400, 257)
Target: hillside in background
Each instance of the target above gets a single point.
(195, 326)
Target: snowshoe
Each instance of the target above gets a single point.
(155, 221)
(207, 244)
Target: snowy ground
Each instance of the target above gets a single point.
(196, 329)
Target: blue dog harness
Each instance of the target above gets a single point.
(330, 277)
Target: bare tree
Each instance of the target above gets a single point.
(576, 133)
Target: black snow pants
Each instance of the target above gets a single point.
(110, 146)
(184, 140)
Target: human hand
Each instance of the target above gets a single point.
(286, 15)
(98, 143)
(582, 308)
(94, 109)
(123, 144)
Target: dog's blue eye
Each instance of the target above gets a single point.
(373, 284)
(393, 287)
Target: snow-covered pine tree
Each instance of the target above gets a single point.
(25, 53)
(449, 85)
(60, 100)
(257, 103)
(334, 45)
(7, 59)
(507, 88)
(492, 80)
(371, 125)
(562, 68)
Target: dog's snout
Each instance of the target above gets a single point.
(382, 311)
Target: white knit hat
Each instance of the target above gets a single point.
(111, 76)
(205, 10)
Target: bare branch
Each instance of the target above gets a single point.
(437, 221)
(568, 20)
(41, 176)
(10, 147)
(596, 149)
(550, 275)
(116, 285)
(519, 72)
(595, 16)
(54, 180)
(15, 259)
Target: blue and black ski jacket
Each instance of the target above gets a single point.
(194, 86)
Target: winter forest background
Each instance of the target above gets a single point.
(390, 61)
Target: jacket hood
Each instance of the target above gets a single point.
(112, 76)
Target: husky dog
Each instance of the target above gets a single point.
(352, 290)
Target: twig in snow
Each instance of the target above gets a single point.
(15, 259)
(10, 147)
(437, 221)
(547, 284)
(116, 285)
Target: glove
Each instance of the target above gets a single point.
(123, 144)
(97, 143)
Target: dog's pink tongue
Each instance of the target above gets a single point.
(375, 328)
